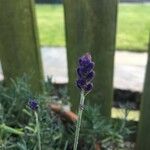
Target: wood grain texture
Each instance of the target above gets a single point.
(143, 139)
(91, 27)
(19, 45)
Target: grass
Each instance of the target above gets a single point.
(132, 33)
(119, 113)
(133, 26)
(51, 25)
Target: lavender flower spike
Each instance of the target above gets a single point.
(33, 104)
(85, 73)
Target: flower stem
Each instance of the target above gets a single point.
(79, 120)
(38, 130)
(11, 130)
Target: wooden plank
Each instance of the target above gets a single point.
(91, 27)
(143, 140)
(19, 45)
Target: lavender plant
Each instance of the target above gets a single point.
(33, 104)
(85, 75)
(19, 134)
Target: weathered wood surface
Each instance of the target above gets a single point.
(19, 45)
(143, 140)
(91, 27)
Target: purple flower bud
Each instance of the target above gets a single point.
(90, 66)
(81, 83)
(85, 59)
(84, 70)
(33, 104)
(85, 73)
(90, 76)
(88, 87)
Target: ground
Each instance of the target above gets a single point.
(132, 27)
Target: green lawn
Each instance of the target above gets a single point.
(120, 113)
(133, 26)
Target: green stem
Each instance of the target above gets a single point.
(38, 130)
(79, 120)
(11, 130)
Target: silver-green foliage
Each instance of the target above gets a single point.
(18, 126)
(98, 129)
(18, 129)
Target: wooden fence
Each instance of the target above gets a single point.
(90, 25)
(61, 1)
